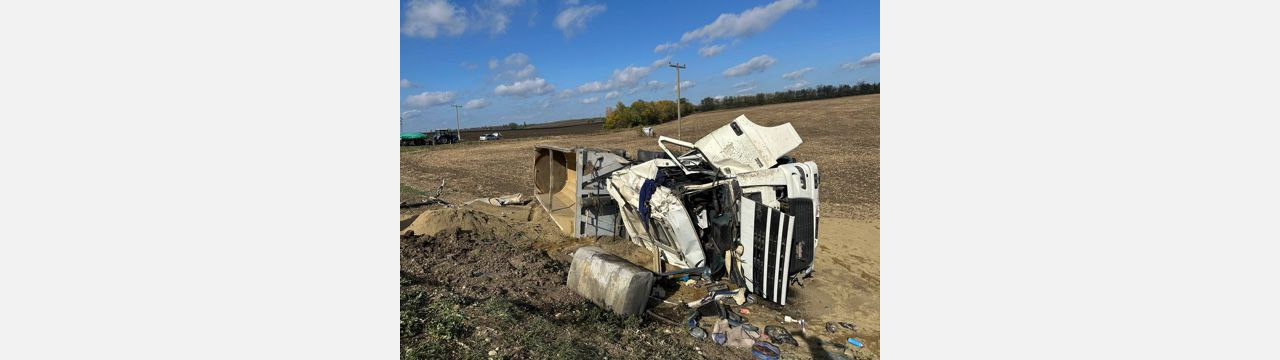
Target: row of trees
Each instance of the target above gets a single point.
(642, 113)
(813, 93)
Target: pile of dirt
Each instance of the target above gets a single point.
(452, 219)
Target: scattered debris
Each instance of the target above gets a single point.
(848, 326)
(780, 334)
(698, 333)
(744, 311)
(831, 327)
(736, 337)
(431, 200)
(513, 199)
(855, 342)
(765, 351)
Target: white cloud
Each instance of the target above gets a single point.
(476, 104)
(625, 78)
(746, 23)
(710, 51)
(718, 97)
(564, 94)
(429, 98)
(404, 83)
(746, 89)
(525, 88)
(514, 67)
(865, 61)
(665, 47)
(590, 100)
(409, 114)
(525, 72)
(755, 65)
(612, 94)
(517, 59)
(496, 14)
(798, 74)
(685, 85)
(797, 86)
(468, 65)
(432, 18)
(745, 84)
(653, 85)
(574, 18)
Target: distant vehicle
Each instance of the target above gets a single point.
(413, 139)
(443, 136)
(493, 136)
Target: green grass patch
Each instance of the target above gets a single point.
(411, 191)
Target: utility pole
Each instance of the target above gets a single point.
(679, 124)
(458, 117)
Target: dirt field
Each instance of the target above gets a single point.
(841, 135)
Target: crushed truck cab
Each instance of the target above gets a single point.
(731, 205)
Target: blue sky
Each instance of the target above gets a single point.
(538, 61)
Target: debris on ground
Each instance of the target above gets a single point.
(780, 334)
(848, 326)
(855, 342)
(831, 327)
(513, 199)
(765, 351)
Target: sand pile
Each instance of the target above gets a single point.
(454, 220)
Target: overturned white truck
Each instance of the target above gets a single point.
(731, 206)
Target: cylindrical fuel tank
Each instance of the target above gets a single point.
(610, 281)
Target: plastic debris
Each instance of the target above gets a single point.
(780, 334)
(831, 327)
(855, 342)
(765, 351)
(848, 325)
(719, 338)
(698, 333)
(744, 311)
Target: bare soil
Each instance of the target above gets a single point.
(841, 135)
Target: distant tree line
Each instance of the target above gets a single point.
(813, 93)
(643, 113)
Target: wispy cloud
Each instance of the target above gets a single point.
(590, 100)
(624, 78)
(432, 18)
(429, 98)
(574, 18)
(797, 86)
(685, 85)
(798, 74)
(404, 83)
(755, 65)
(611, 95)
(747, 23)
(666, 47)
(865, 61)
(710, 51)
(476, 104)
